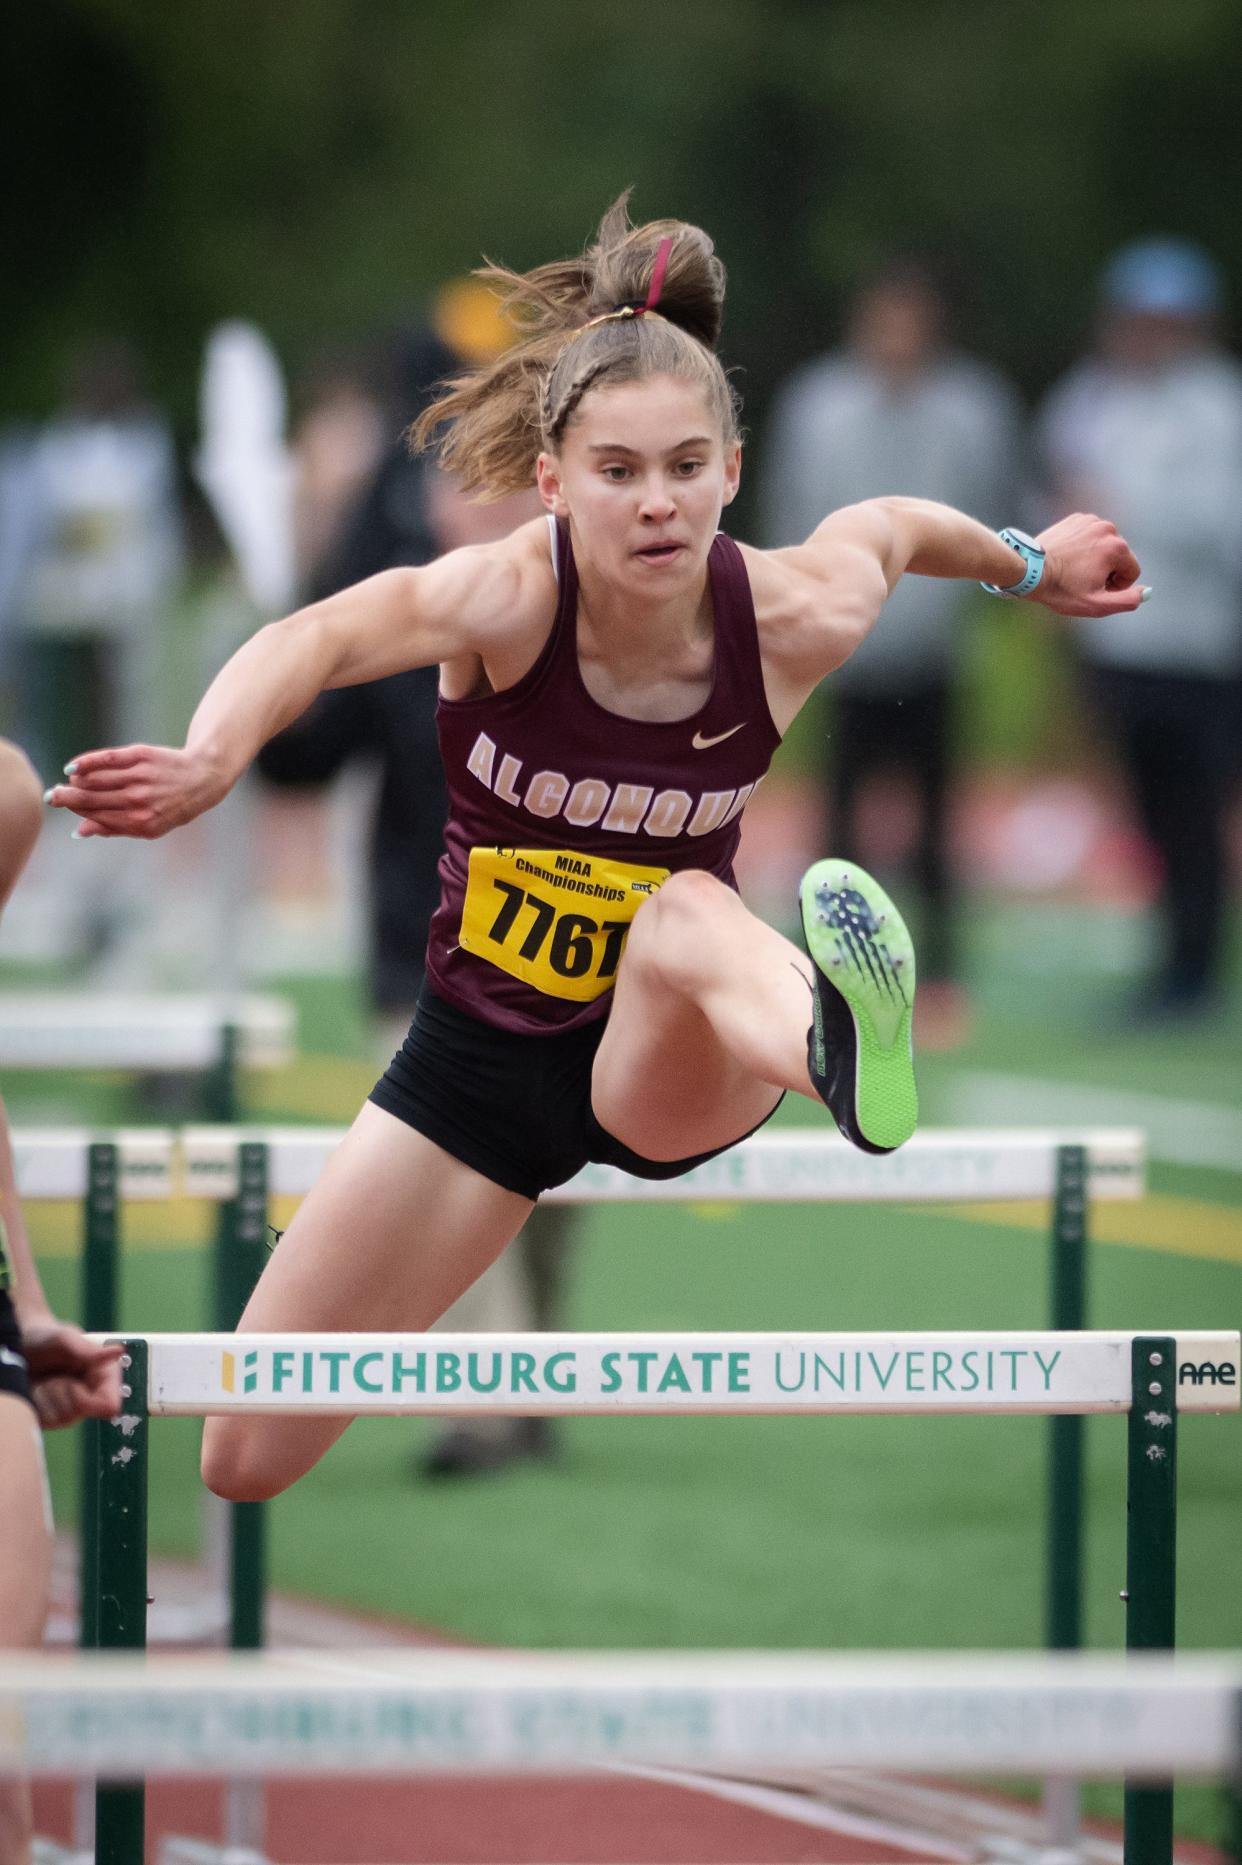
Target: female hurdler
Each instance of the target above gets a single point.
(614, 680)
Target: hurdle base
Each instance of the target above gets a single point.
(1061, 1806)
(51, 1852)
(181, 1849)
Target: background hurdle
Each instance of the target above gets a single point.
(211, 1037)
(1015, 1372)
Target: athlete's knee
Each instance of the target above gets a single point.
(235, 1463)
(675, 932)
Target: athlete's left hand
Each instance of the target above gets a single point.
(71, 1376)
(1090, 569)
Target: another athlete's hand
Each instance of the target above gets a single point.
(138, 790)
(71, 1376)
(1090, 569)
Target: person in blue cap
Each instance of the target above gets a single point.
(1149, 428)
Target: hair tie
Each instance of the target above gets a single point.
(637, 307)
(657, 273)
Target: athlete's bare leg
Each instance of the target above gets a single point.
(391, 1233)
(25, 1575)
(708, 1027)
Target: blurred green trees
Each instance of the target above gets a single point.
(320, 164)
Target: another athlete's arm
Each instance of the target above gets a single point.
(400, 619)
(71, 1375)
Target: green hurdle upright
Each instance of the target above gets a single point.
(1069, 1314)
(113, 1540)
(1063, 1560)
(1151, 1561)
(240, 1253)
(120, 1608)
(100, 1315)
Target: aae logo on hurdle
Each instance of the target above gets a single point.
(659, 1372)
(1208, 1372)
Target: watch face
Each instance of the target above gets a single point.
(1023, 537)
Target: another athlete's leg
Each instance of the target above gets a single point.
(25, 1577)
(391, 1234)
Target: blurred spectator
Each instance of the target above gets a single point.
(102, 555)
(898, 409)
(1148, 428)
(92, 555)
(16, 523)
(388, 723)
(340, 440)
(408, 513)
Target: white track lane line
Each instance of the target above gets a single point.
(1187, 1133)
(803, 1811)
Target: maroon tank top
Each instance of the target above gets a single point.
(543, 781)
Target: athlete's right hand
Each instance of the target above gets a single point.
(138, 790)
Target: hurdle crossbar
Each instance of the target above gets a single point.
(778, 1717)
(143, 1030)
(609, 1373)
(54, 1163)
(779, 1165)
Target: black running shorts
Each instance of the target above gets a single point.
(14, 1376)
(516, 1108)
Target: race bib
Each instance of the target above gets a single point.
(555, 920)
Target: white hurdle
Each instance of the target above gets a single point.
(1149, 1376)
(142, 1030)
(54, 1163)
(212, 1035)
(239, 1168)
(780, 1164)
(782, 1718)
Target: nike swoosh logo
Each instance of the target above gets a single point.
(703, 744)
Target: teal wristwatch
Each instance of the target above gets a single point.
(1033, 555)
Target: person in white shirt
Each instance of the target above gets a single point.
(1150, 423)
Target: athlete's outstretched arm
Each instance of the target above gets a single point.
(400, 619)
(818, 601)
(1089, 569)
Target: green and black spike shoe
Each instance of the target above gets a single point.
(858, 1046)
